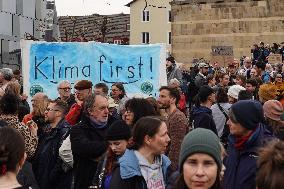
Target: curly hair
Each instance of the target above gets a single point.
(271, 166)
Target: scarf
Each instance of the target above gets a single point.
(241, 141)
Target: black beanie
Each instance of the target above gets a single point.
(249, 113)
(118, 130)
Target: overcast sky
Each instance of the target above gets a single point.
(87, 7)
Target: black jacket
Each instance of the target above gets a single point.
(202, 117)
(46, 159)
(88, 145)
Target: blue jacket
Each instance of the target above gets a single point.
(241, 165)
(128, 175)
(202, 117)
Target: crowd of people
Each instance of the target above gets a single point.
(209, 128)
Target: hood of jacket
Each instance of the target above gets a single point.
(129, 165)
(201, 109)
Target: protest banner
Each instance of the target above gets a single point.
(222, 55)
(274, 58)
(140, 68)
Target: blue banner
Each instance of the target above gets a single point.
(140, 68)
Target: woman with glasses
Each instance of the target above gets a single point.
(137, 108)
(118, 94)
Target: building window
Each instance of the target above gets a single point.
(127, 27)
(169, 38)
(169, 16)
(118, 41)
(145, 16)
(145, 37)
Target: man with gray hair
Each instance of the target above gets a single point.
(64, 91)
(6, 75)
(87, 138)
(245, 70)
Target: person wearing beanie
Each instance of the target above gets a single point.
(272, 112)
(247, 134)
(201, 114)
(117, 135)
(200, 161)
(233, 93)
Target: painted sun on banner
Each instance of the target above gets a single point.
(140, 68)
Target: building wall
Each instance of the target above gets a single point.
(20, 17)
(196, 28)
(158, 26)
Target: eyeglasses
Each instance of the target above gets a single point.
(65, 88)
(50, 109)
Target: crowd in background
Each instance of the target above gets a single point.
(210, 127)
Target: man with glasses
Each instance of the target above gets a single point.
(83, 89)
(64, 91)
(246, 69)
(47, 168)
(87, 138)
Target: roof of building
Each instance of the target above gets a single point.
(128, 4)
(91, 27)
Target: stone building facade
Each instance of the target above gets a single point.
(199, 25)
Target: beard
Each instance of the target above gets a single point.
(164, 106)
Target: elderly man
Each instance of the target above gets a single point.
(88, 142)
(6, 75)
(246, 69)
(64, 91)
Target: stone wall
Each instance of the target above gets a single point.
(199, 26)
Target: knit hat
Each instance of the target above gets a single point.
(118, 131)
(234, 91)
(83, 84)
(273, 109)
(267, 92)
(249, 113)
(200, 140)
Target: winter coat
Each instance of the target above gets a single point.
(219, 117)
(200, 80)
(88, 145)
(128, 175)
(241, 165)
(175, 72)
(202, 117)
(70, 101)
(46, 164)
(75, 114)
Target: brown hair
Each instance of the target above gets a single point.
(13, 87)
(271, 166)
(12, 149)
(148, 125)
